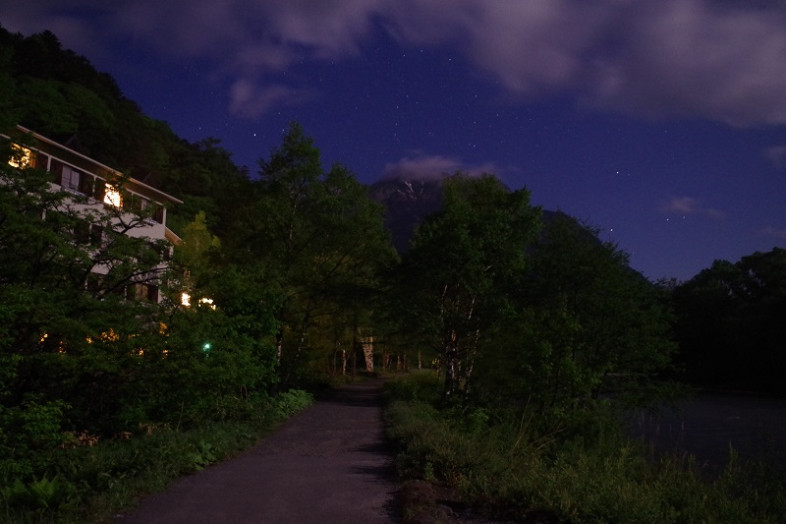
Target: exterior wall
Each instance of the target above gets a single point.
(80, 175)
(94, 184)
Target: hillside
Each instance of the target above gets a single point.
(59, 94)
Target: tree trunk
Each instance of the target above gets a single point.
(471, 354)
(299, 347)
(368, 352)
(279, 344)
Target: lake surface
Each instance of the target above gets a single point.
(708, 424)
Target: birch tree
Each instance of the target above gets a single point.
(453, 284)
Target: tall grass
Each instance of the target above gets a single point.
(513, 470)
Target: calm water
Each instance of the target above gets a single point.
(707, 425)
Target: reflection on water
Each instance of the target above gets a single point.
(709, 424)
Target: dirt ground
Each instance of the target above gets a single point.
(328, 464)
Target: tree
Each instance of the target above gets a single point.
(585, 324)
(222, 342)
(80, 348)
(453, 285)
(193, 253)
(729, 323)
(8, 118)
(69, 336)
(319, 240)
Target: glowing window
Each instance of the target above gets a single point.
(21, 157)
(112, 196)
(207, 302)
(185, 299)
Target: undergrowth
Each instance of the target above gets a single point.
(513, 469)
(91, 483)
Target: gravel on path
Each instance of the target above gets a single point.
(328, 464)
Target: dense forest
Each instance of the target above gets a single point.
(519, 311)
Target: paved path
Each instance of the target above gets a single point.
(328, 464)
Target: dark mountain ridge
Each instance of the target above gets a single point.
(409, 201)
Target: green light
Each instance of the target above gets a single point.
(206, 346)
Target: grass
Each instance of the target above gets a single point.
(94, 483)
(511, 470)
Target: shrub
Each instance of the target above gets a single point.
(90, 483)
(421, 385)
(512, 469)
(290, 402)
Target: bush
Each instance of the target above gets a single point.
(290, 402)
(512, 469)
(90, 483)
(420, 385)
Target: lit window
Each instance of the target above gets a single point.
(20, 157)
(185, 300)
(207, 302)
(112, 196)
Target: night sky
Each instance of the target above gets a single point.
(662, 122)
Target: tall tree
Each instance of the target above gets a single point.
(223, 339)
(585, 324)
(729, 323)
(453, 284)
(319, 238)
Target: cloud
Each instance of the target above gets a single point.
(684, 205)
(249, 100)
(532, 47)
(779, 233)
(721, 60)
(431, 167)
(777, 155)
